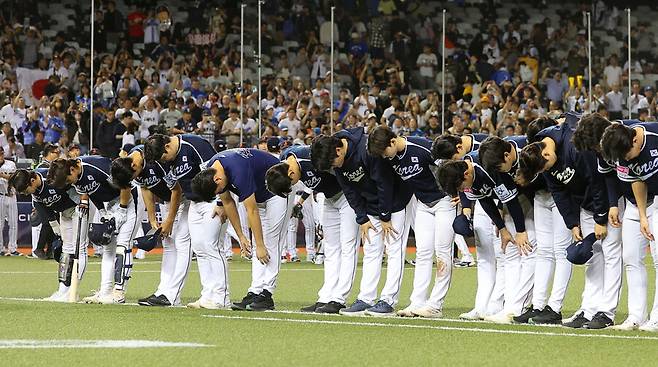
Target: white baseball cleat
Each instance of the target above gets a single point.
(116, 297)
(500, 318)
(93, 298)
(408, 311)
(319, 259)
(471, 315)
(140, 254)
(198, 304)
(651, 325)
(627, 325)
(58, 296)
(428, 312)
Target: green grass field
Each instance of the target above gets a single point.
(286, 337)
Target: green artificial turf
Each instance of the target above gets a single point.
(284, 338)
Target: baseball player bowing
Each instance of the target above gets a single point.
(338, 221)
(635, 156)
(150, 177)
(380, 202)
(90, 176)
(184, 154)
(475, 183)
(411, 159)
(242, 172)
(57, 207)
(455, 146)
(574, 182)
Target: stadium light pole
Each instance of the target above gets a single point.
(443, 72)
(630, 65)
(91, 77)
(331, 80)
(589, 60)
(242, 6)
(260, 64)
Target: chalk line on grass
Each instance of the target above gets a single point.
(76, 344)
(432, 327)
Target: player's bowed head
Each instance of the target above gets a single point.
(328, 152)
(64, 172)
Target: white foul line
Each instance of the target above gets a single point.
(131, 344)
(431, 327)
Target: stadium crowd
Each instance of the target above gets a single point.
(153, 72)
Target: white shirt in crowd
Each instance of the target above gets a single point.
(427, 64)
(149, 118)
(638, 101)
(614, 101)
(266, 102)
(612, 75)
(249, 126)
(292, 125)
(317, 95)
(362, 106)
(119, 114)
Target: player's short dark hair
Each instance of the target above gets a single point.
(380, 139)
(589, 131)
(277, 180)
(323, 151)
(154, 147)
(122, 172)
(492, 153)
(445, 146)
(531, 161)
(59, 170)
(450, 176)
(537, 125)
(21, 179)
(616, 142)
(49, 148)
(204, 186)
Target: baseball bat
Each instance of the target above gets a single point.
(73, 289)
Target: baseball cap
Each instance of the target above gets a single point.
(648, 88)
(220, 145)
(371, 116)
(463, 226)
(149, 241)
(580, 252)
(273, 143)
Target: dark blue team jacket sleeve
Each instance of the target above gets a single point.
(382, 174)
(354, 199)
(465, 201)
(516, 212)
(45, 214)
(563, 202)
(597, 187)
(612, 187)
(490, 208)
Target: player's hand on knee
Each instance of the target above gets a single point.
(297, 212)
(613, 217)
(166, 228)
(262, 255)
(245, 246)
(523, 243)
(388, 232)
(454, 201)
(575, 232)
(600, 231)
(363, 229)
(219, 211)
(645, 228)
(83, 208)
(505, 238)
(121, 217)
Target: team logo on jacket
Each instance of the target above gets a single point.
(244, 153)
(312, 182)
(565, 176)
(355, 176)
(50, 200)
(89, 188)
(643, 169)
(503, 193)
(407, 172)
(654, 152)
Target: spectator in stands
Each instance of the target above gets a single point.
(427, 63)
(612, 72)
(54, 127)
(30, 46)
(113, 22)
(169, 116)
(637, 100)
(187, 124)
(555, 86)
(16, 150)
(33, 151)
(106, 135)
(231, 130)
(614, 102)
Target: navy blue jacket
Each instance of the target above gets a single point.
(413, 167)
(245, 170)
(49, 200)
(315, 180)
(153, 176)
(95, 180)
(645, 166)
(369, 183)
(193, 150)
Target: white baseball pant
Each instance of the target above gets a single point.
(176, 257)
(603, 273)
(633, 252)
(466, 255)
(68, 226)
(309, 229)
(244, 223)
(373, 251)
(490, 292)
(36, 231)
(553, 238)
(273, 215)
(519, 269)
(435, 237)
(9, 211)
(204, 236)
(654, 254)
(341, 248)
(120, 244)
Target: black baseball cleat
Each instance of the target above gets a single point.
(262, 302)
(547, 316)
(599, 321)
(524, 317)
(313, 307)
(242, 305)
(331, 307)
(145, 301)
(159, 301)
(576, 322)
